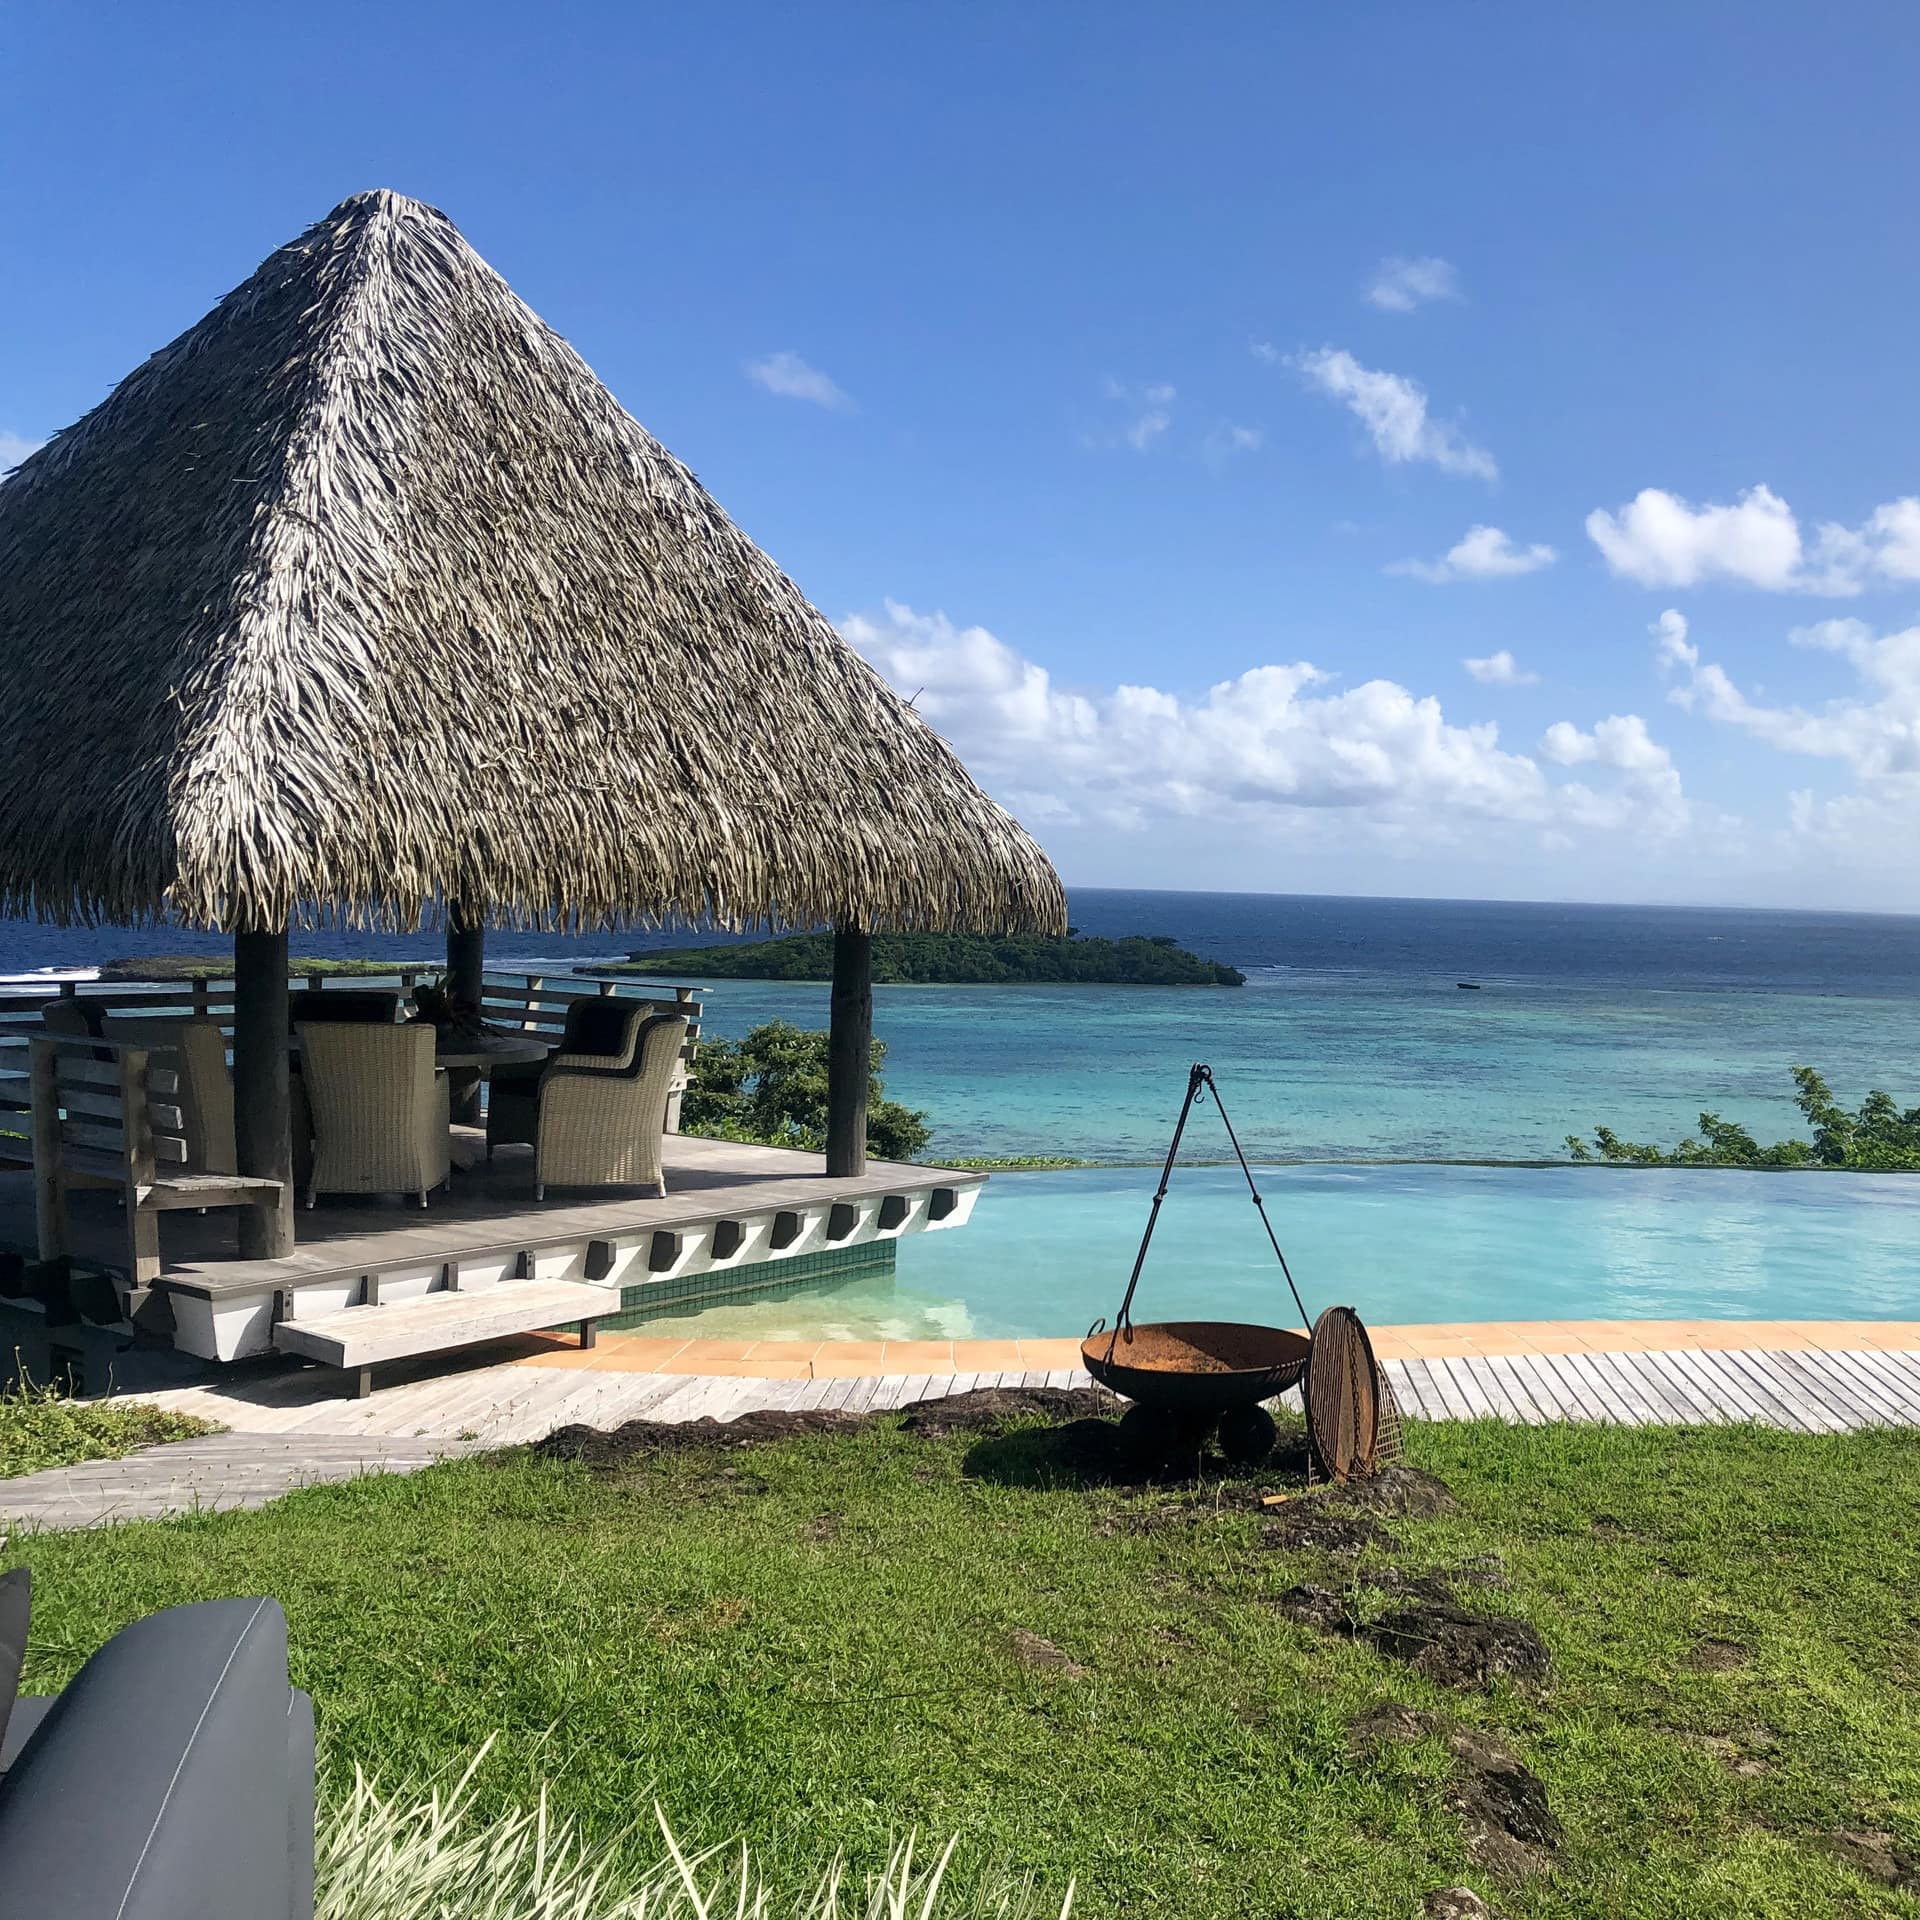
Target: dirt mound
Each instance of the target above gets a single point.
(1718, 1656)
(987, 1409)
(1399, 1490)
(639, 1438)
(1459, 1648)
(1312, 1525)
(1500, 1803)
(1311, 1606)
(1877, 1857)
(1041, 1655)
(1457, 1903)
(1508, 1826)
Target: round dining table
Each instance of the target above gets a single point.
(468, 1061)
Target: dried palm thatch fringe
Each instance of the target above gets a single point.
(365, 595)
(382, 1857)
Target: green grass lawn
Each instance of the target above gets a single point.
(39, 1428)
(818, 1644)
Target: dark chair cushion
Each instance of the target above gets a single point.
(16, 1610)
(28, 1711)
(158, 1785)
(598, 1025)
(341, 1003)
(515, 1074)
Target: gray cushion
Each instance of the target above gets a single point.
(160, 1785)
(16, 1608)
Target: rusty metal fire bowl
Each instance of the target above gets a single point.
(1196, 1366)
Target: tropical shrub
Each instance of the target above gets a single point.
(771, 1089)
(1875, 1138)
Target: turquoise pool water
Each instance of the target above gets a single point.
(1048, 1253)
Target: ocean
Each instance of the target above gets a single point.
(1352, 1040)
(1355, 1054)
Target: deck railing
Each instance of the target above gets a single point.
(531, 1003)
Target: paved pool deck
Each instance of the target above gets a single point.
(843, 1359)
(289, 1426)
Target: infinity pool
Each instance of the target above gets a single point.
(1047, 1253)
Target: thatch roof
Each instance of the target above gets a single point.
(365, 594)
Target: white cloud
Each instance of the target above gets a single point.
(14, 447)
(1481, 553)
(1399, 285)
(1661, 540)
(1500, 670)
(1151, 407)
(789, 376)
(1675, 649)
(1275, 744)
(1227, 440)
(1875, 731)
(1393, 409)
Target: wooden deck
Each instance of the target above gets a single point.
(489, 1206)
(291, 1427)
(727, 1207)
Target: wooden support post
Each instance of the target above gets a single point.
(143, 1228)
(49, 1191)
(466, 979)
(849, 1052)
(262, 1098)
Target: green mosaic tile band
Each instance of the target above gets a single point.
(650, 1300)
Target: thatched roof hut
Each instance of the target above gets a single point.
(365, 600)
(365, 596)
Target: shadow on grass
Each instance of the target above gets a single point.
(1092, 1453)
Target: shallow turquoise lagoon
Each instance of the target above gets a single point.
(1357, 1066)
(1048, 1253)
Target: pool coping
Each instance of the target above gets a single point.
(753, 1359)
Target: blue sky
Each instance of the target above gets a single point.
(1121, 378)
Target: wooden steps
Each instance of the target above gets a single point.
(362, 1337)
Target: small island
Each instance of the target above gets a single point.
(164, 968)
(952, 959)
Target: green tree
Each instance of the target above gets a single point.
(771, 1089)
(1878, 1138)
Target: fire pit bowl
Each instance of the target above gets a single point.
(1197, 1367)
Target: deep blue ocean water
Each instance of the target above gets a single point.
(1353, 1043)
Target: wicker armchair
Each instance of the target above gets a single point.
(380, 1108)
(597, 1120)
(601, 1031)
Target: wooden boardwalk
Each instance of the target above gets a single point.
(291, 1428)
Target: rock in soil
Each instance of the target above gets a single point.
(1457, 1903)
(986, 1409)
(1461, 1649)
(1877, 1857)
(1034, 1652)
(639, 1438)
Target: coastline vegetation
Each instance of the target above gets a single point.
(954, 959)
(167, 967)
(1877, 1137)
(1726, 1611)
(770, 1090)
